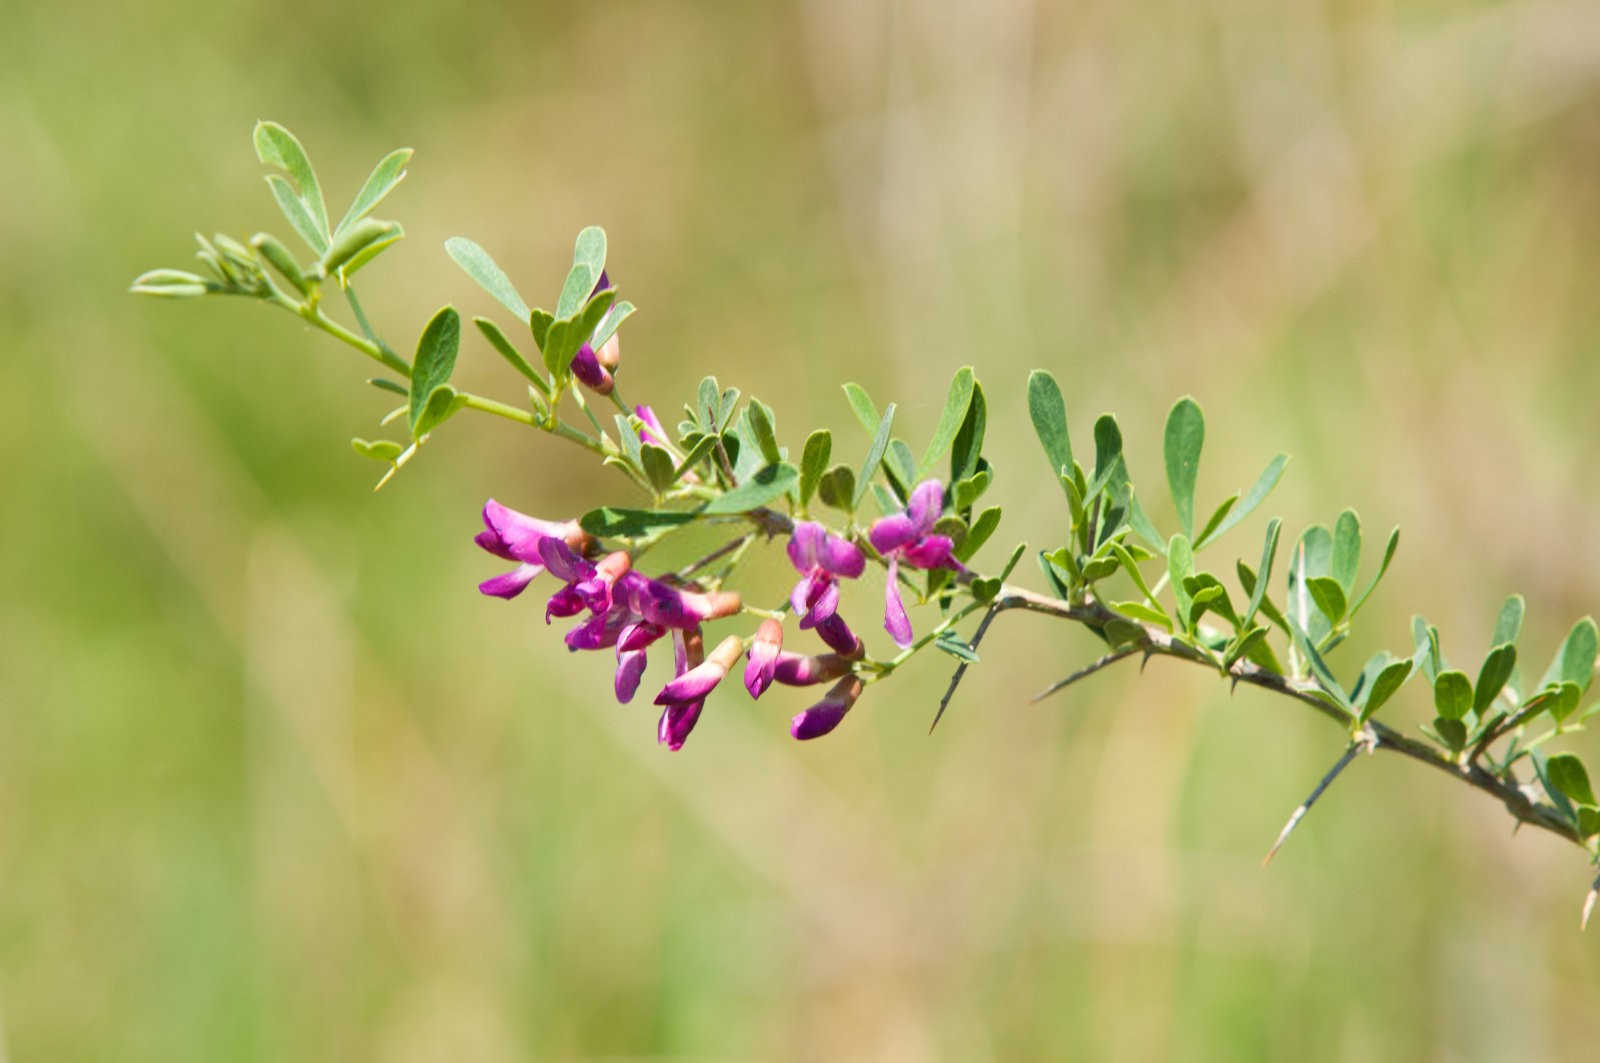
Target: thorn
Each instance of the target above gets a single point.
(1144, 661)
(1305, 806)
(1588, 905)
(1233, 687)
(1111, 658)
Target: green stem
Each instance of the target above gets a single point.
(314, 316)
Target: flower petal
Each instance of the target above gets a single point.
(895, 620)
(931, 551)
(927, 502)
(837, 634)
(510, 584)
(630, 669)
(806, 545)
(842, 557)
(676, 723)
(890, 533)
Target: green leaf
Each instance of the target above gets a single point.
(294, 211)
(1320, 670)
(814, 462)
(880, 443)
(276, 146)
(657, 464)
(1452, 734)
(901, 466)
(837, 488)
(588, 262)
(620, 311)
(1209, 530)
(628, 439)
(610, 522)
(1452, 694)
(539, 322)
(357, 239)
(757, 490)
(1389, 680)
(1145, 612)
(1328, 596)
(272, 249)
(1383, 567)
(379, 449)
(390, 171)
(566, 335)
(1492, 677)
(1269, 551)
(490, 277)
(966, 454)
(1131, 567)
(1567, 774)
(498, 341)
(1425, 637)
(766, 438)
(436, 359)
(1185, 435)
(370, 251)
(1252, 498)
(982, 528)
(1312, 558)
(1049, 414)
(1574, 662)
(966, 492)
(708, 404)
(172, 284)
(865, 410)
(1180, 566)
(385, 384)
(956, 647)
(1565, 700)
(1346, 557)
(699, 452)
(1107, 453)
(442, 402)
(956, 403)
(1508, 625)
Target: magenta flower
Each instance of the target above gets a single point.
(907, 536)
(631, 643)
(798, 670)
(666, 605)
(764, 650)
(517, 537)
(820, 557)
(650, 431)
(593, 367)
(825, 715)
(678, 720)
(589, 584)
(699, 681)
(837, 634)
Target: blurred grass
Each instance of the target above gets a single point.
(276, 783)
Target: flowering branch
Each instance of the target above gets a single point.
(913, 518)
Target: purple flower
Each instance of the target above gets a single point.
(825, 715)
(671, 607)
(702, 679)
(678, 720)
(798, 670)
(820, 557)
(764, 650)
(589, 584)
(907, 536)
(837, 634)
(593, 367)
(517, 537)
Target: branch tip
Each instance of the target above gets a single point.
(1305, 806)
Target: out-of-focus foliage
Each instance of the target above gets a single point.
(264, 795)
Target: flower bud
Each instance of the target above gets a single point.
(825, 715)
(764, 648)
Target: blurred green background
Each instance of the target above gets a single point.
(277, 783)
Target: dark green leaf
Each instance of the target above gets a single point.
(443, 401)
(1328, 596)
(1320, 670)
(1145, 612)
(1185, 436)
(901, 466)
(880, 443)
(1131, 566)
(757, 490)
(390, 171)
(967, 451)
(985, 590)
(956, 403)
(490, 277)
(539, 322)
(1107, 453)
(814, 462)
(385, 384)
(968, 491)
(1049, 414)
(866, 410)
(610, 522)
(436, 359)
(1389, 680)
(1218, 515)
(1451, 733)
(766, 437)
(1452, 694)
(702, 448)
(1269, 551)
(1346, 557)
(982, 528)
(838, 488)
(1567, 774)
(1492, 677)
